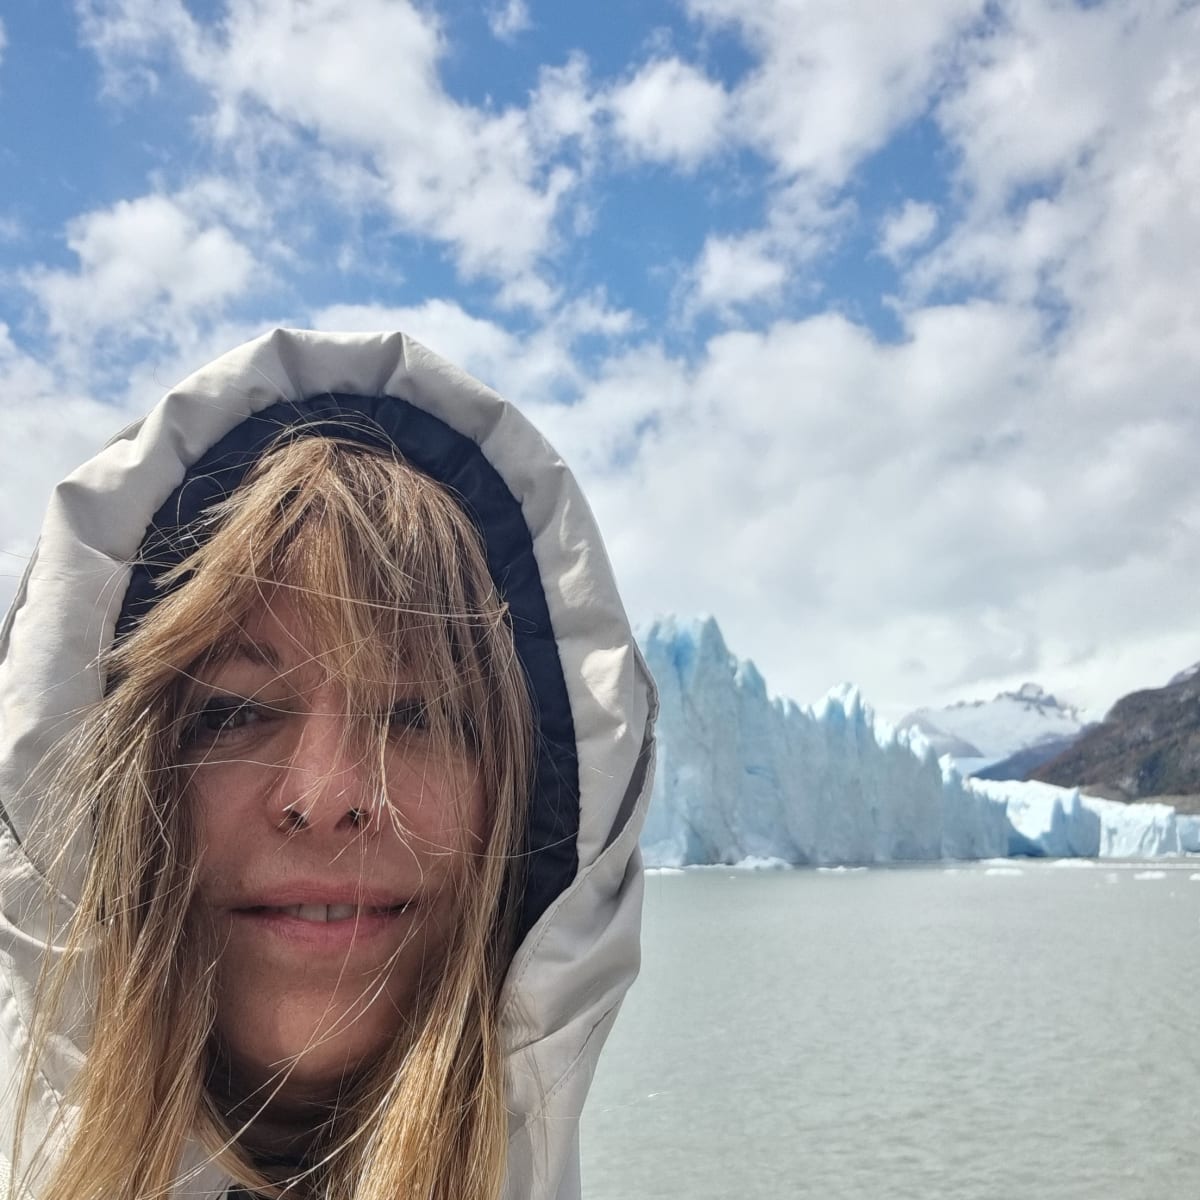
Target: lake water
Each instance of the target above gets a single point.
(986, 1032)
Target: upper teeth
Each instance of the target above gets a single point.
(325, 912)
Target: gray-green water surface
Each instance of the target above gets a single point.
(987, 1032)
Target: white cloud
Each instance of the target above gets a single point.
(362, 80)
(531, 369)
(1092, 200)
(732, 271)
(906, 228)
(830, 84)
(49, 428)
(509, 19)
(476, 344)
(145, 265)
(3, 41)
(530, 291)
(125, 34)
(763, 265)
(834, 80)
(1042, 87)
(669, 112)
(563, 106)
(847, 505)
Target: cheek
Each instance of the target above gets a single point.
(442, 810)
(221, 797)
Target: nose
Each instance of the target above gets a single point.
(323, 784)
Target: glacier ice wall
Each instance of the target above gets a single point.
(1055, 822)
(1045, 820)
(1189, 833)
(743, 776)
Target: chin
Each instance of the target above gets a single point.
(309, 1055)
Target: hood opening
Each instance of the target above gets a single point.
(456, 462)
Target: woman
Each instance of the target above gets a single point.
(324, 748)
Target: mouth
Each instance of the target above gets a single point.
(321, 914)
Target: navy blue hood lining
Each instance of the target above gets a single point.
(454, 460)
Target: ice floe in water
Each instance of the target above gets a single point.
(755, 862)
(1150, 875)
(1004, 871)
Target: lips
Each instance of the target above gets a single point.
(324, 913)
(316, 927)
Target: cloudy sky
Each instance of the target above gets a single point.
(872, 329)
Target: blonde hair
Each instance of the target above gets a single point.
(386, 563)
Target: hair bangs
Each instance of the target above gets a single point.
(387, 572)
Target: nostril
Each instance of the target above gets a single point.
(293, 818)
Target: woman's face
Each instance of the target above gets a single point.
(327, 898)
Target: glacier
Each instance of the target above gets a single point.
(746, 778)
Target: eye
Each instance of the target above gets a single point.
(219, 716)
(408, 716)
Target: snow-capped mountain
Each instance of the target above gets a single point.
(1028, 725)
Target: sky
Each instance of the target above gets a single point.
(872, 330)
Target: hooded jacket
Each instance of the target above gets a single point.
(593, 694)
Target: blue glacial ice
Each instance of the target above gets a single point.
(743, 777)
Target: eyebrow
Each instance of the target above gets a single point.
(255, 652)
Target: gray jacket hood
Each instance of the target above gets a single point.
(579, 952)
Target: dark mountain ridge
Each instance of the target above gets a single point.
(1148, 746)
(1024, 762)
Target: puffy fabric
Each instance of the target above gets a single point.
(594, 696)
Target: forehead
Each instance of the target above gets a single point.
(278, 636)
(282, 632)
(275, 631)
